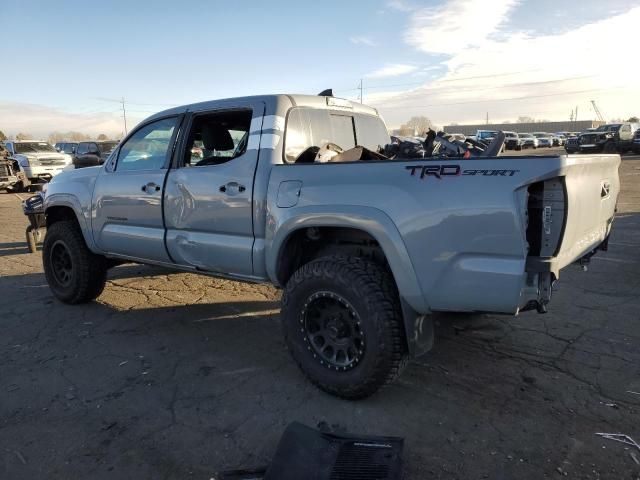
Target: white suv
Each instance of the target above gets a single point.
(38, 160)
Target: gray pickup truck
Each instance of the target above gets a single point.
(365, 250)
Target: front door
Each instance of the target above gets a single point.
(128, 193)
(208, 202)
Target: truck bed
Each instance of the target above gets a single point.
(487, 226)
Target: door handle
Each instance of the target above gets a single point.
(232, 188)
(150, 187)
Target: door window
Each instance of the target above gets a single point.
(148, 148)
(217, 138)
(82, 149)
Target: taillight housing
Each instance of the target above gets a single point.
(546, 217)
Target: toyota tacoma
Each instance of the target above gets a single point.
(364, 250)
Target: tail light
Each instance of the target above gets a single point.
(546, 217)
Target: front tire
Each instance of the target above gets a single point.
(74, 273)
(343, 325)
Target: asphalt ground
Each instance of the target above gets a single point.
(172, 376)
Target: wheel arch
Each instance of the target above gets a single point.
(58, 208)
(367, 224)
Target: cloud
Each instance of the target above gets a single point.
(400, 5)
(392, 70)
(362, 40)
(457, 25)
(41, 120)
(508, 74)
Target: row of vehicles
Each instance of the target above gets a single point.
(610, 138)
(519, 141)
(29, 164)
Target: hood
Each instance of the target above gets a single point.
(72, 175)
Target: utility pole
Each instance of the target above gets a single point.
(360, 87)
(124, 115)
(576, 115)
(487, 118)
(571, 116)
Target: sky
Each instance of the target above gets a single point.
(68, 64)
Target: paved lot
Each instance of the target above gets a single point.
(175, 375)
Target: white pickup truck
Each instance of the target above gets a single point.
(39, 161)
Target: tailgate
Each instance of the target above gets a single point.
(573, 212)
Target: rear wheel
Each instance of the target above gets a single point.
(74, 273)
(343, 325)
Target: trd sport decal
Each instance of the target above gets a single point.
(440, 171)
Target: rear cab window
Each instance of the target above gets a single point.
(308, 129)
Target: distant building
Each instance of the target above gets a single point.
(549, 127)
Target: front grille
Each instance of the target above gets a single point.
(588, 139)
(51, 161)
(5, 170)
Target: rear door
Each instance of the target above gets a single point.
(127, 216)
(209, 196)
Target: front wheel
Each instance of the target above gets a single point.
(343, 325)
(73, 272)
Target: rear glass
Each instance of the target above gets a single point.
(308, 127)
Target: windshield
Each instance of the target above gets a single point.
(68, 148)
(540, 135)
(608, 128)
(30, 147)
(525, 135)
(510, 134)
(486, 134)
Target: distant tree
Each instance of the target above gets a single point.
(102, 136)
(24, 136)
(632, 120)
(77, 136)
(3, 137)
(525, 119)
(419, 124)
(507, 121)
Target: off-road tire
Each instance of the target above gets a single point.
(88, 271)
(370, 290)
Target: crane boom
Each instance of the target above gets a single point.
(595, 108)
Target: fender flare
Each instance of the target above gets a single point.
(82, 216)
(370, 220)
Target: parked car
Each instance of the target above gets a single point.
(527, 140)
(636, 141)
(512, 141)
(544, 139)
(558, 139)
(572, 145)
(609, 138)
(11, 177)
(39, 161)
(90, 154)
(485, 135)
(364, 250)
(66, 147)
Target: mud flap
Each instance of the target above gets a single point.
(418, 330)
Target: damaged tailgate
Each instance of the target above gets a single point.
(570, 216)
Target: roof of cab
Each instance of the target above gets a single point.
(313, 101)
